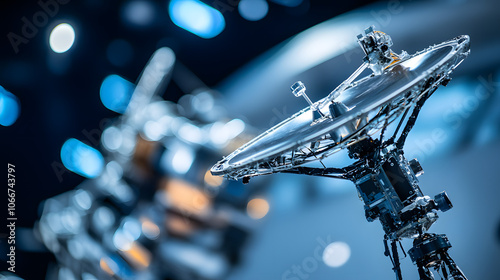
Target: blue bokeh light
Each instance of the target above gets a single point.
(253, 10)
(138, 13)
(196, 17)
(9, 107)
(116, 93)
(81, 158)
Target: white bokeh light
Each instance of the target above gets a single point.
(62, 38)
(336, 254)
(182, 160)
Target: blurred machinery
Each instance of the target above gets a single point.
(154, 211)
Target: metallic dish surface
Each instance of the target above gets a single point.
(397, 88)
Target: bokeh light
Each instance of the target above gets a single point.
(213, 181)
(150, 229)
(257, 208)
(138, 12)
(81, 158)
(336, 254)
(253, 10)
(9, 107)
(182, 160)
(62, 38)
(196, 17)
(116, 93)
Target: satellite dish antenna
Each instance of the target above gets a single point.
(348, 118)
